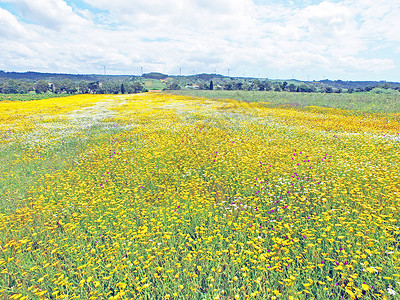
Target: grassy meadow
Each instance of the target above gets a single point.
(359, 103)
(153, 84)
(29, 97)
(162, 196)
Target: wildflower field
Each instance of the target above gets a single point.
(355, 103)
(155, 196)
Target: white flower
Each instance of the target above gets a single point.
(391, 292)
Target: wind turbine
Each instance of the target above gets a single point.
(180, 71)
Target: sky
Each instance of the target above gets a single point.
(305, 40)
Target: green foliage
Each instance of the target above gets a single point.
(67, 86)
(277, 88)
(173, 86)
(15, 87)
(291, 87)
(134, 87)
(109, 87)
(10, 87)
(384, 91)
(42, 87)
(154, 75)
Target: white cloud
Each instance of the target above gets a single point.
(378, 19)
(51, 14)
(201, 35)
(10, 28)
(362, 64)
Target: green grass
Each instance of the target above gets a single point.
(23, 165)
(29, 97)
(154, 84)
(359, 102)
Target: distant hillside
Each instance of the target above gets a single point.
(35, 76)
(193, 80)
(358, 84)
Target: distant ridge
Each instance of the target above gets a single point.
(357, 84)
(35, 76)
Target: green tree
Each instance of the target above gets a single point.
(256, 85)
(228, 86)
(173, 86)
(10, 87)
(110, 87)
(291, 87)
(41, 87)
(238, 85)
(69, 86)
(25, 87)
(277, 87)
(83, 87)
(246, 86)
(305, 88)
(132, 87)
(267, 85)
(94, 87)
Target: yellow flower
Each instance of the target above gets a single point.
(365, 287)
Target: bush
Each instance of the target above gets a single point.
(383, 91)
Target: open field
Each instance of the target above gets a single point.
(153, 84)
(29, 97)
(157, 196)
(365, 102)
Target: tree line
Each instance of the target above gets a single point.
(67, 86)
(135, 85)
(232, 84)
(255, 85)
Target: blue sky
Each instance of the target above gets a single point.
(348, 40)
